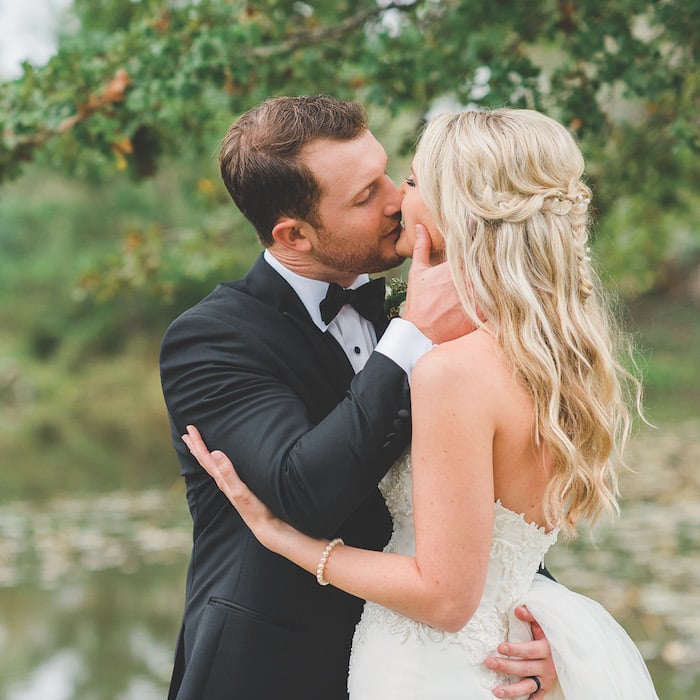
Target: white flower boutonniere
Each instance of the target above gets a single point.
(395, 297)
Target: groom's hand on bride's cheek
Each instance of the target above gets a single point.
(432, 304)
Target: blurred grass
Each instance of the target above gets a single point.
(667, 336)
(96, 427)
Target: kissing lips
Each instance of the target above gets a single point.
(396, 231)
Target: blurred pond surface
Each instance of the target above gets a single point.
(91, 589)
(91, 595)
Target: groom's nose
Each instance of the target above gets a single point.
(394, 199)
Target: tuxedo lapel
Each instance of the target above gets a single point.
(266, 285)
(334, 362)
(380, 327)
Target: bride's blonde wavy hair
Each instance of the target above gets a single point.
(504, 187)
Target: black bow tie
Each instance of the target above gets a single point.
(367, 300)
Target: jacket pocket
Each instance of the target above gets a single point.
(255, 615)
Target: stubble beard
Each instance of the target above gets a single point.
(353, 260)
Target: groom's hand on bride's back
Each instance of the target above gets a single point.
(432, 304)
(524, 661)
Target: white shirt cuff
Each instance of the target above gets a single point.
(403, 343)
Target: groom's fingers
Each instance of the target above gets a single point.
(522, 613)
(525, 659)
(421, 250)
(432, 303)
(526, 688)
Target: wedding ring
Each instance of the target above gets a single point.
(537, 683)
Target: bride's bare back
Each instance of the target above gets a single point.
(493, 408)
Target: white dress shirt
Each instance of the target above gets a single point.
(402, 342)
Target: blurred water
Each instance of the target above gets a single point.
(91, 595)
(91, 589)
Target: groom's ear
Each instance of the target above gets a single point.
(292, 234)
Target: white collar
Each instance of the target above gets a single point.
(311, 292)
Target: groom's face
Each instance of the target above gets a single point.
(359, 209)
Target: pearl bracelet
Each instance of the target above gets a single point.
(324, 560)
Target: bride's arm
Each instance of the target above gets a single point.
(453, 431)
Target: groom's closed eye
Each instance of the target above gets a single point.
(371, 192)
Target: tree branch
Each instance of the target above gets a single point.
(318, 35)
(116, 88)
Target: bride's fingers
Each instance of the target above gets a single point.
(228, 481)
(216, 464)
(221, 469)
(195, 444)
(199, 450)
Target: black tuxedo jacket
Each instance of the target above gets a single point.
(250, 369)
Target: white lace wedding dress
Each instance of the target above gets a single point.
(396, 658)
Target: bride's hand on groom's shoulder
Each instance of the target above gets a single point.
(432, 303)
(259, 518)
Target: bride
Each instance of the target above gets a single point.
(517, 431)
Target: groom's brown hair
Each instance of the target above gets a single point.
(259, 156)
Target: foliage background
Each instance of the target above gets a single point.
(113, 219)
(134, 83)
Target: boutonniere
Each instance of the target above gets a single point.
(395, 297)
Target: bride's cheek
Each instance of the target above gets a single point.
(405, 243)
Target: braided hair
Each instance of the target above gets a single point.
(505, 188)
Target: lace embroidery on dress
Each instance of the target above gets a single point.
(399, 499)
(517, 549)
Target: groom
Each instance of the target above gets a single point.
(280, 371)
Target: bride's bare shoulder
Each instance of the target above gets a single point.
(473, 358)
